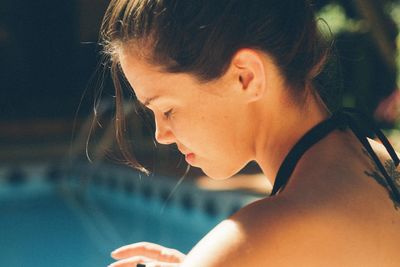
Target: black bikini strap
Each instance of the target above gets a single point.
(362, 137)
(309, 139)
(340, 119)
(369, 122)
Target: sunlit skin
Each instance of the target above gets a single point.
(227, 122)
(330, 214)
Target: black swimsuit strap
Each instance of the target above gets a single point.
(339, 120)
(314, 135)
(362, 137)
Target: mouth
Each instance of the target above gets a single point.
(189, 157)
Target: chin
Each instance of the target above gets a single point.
(220, 173)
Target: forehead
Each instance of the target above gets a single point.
(142, 76)
(149, 81)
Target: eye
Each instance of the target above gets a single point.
(168, 114)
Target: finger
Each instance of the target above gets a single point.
(134, 261)
(161, 264)
(131, 262)
(150, 250)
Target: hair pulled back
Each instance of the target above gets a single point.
(201, 36)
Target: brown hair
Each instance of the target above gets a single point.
(200, 37)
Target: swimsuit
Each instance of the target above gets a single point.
(341, 119)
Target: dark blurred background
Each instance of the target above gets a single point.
(49, 52)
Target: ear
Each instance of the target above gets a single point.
(249, 71)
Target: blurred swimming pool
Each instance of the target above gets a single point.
(50, 221)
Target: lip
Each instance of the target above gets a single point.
(189, 157)
(183, 151)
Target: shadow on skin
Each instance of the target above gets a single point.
(256, 183)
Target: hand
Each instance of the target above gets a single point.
(152, 255)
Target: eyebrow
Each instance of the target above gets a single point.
(149, 100)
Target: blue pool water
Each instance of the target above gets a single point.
(60, 224)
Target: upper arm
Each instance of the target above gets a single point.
(267, 235)
(246, 239)
(219, 247)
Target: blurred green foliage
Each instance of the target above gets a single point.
(335, 16)
(335, 21)
(394, 10)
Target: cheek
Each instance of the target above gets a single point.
(195, 130)
(212, 135)
(209, 127)
(213, 141)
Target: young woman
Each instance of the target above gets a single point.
(232, 81)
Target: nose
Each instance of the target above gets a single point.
(163, 133)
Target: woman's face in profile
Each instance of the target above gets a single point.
(207, 121)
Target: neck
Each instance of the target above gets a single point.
(278, 133)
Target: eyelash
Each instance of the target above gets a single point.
(168, 114)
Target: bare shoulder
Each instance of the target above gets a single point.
(380, 150)
(382, 153)
(267, 231)
(280, 232)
